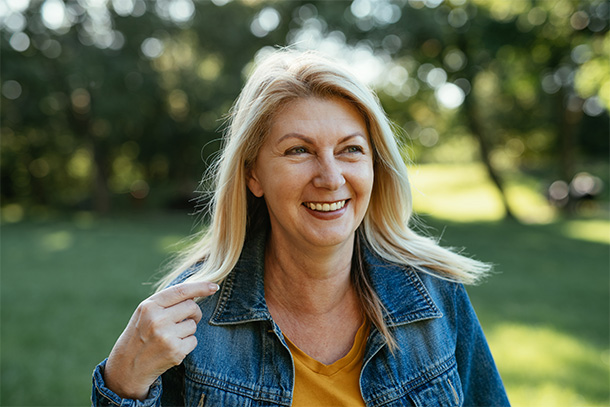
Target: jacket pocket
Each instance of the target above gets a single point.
(205, 390)
(198, 394)
(444, 390)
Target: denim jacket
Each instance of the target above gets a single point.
(242, 358)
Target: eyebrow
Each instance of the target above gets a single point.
(310, 141)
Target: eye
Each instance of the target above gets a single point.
(296, 150)
(354, 149)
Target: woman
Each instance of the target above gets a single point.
(325, 295)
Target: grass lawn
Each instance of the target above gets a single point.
(546, 311)
(69, 287)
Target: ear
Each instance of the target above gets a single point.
(254, 184)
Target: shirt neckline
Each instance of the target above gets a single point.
(355, 355)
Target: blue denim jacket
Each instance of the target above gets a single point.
(242, 358)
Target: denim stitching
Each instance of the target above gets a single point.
(455, 396)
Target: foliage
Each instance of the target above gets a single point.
(117, 101)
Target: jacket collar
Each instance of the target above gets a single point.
(242, 294)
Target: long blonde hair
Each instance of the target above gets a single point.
(288, 75)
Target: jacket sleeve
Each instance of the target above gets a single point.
(101, 396)
(481, 382)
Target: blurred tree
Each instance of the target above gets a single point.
(530, 81)
(103, 98)
(107, 97)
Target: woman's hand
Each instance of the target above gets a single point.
(158, 336)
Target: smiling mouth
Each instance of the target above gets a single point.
(326, 206)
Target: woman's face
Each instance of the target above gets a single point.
(315, 171)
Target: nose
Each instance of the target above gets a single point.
(329, 175)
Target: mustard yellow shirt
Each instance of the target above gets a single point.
(337, 384)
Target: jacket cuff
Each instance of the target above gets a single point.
(101, 396)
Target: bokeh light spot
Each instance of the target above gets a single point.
(457, 18)
(20, 41)
(267, 20)
(53, 14)
(81, 101)
(579, 20)
(454, 60)
(428, 137)
(11, 89)
(450, 96)
(15, 22)
(152, 48)
(181, 10)
(593, 107)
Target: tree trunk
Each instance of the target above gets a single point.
(477, 130)
(568, 130)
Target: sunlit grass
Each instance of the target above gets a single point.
(464, 193)
(593, 230)
(543, 367)
(528, 203)
(458, 193)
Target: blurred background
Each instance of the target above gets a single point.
(112, 110)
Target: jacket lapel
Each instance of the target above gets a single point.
(242, 295)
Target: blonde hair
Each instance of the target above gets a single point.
(288, 75)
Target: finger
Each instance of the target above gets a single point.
(181, 311)
(185, 328)
(188, 344)
(180, 292)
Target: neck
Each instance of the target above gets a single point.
(309, 284)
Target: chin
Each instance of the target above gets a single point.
(329, 239)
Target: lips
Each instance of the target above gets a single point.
(325, 206)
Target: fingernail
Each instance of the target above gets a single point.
(213, 287)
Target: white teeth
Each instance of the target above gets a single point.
(325, 207)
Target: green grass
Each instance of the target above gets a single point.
(546, 311)
(68, 288)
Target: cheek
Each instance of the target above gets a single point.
(291, 173)
(364, 179)
(282, 181)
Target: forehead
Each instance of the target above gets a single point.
(311, 114)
